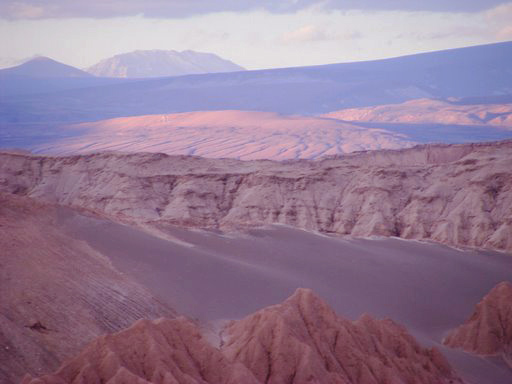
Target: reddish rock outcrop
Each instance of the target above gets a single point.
(303, 341)
(164, 351)
(489, 329)
(299, 341)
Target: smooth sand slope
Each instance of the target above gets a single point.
(216, 276)
(56, 292)
(430, 289)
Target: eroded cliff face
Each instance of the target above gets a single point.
(489, 329)
(56, 293)
(299, 341)
(455, 194)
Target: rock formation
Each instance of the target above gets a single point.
(299, 341)
(161, 352)
(56, 293)
(489, 329)
(454, 194)
(428, 111)
(303, 341)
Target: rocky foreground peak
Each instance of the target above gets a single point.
(489, 329)
(160, 351)
(301, 340)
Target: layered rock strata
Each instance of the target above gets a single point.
(459, 195)
(56, 293)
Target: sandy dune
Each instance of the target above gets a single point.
(453, 194)
(237, 134)
(249, 135)
(431, 111)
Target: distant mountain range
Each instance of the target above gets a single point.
(160, 63)
(478, 74)
(469, 92)
(45, 75)
(41, 67)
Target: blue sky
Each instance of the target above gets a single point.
(254, 34)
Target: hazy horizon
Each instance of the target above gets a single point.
(255, 35)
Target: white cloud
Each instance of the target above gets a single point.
(19, 10)
(306, 33)
(501, 13)
(257, 39)
(173, 9)
(311, 33)
(499, 20)
(505, 33)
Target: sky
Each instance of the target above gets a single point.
(254, 34)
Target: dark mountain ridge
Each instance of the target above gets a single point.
(472, 72)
